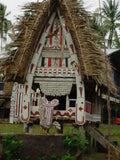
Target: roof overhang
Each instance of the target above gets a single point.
(112, 99)
(115, 58)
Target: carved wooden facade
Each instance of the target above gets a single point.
(54, 70)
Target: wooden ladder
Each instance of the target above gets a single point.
(99, 137)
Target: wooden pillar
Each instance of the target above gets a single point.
(61, 130)
(28, 127)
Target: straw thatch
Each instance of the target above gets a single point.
(92, 61)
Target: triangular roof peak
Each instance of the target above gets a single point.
(91, 58)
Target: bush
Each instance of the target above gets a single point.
(67, 157)
(76, 140)
(12, 147)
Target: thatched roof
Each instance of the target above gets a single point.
(92, 60)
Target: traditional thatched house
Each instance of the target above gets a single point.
(57, 52)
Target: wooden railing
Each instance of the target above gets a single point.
(99, 137)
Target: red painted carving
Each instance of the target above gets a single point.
(26, 119)
(17, 104)
(64, 114)
(70, 110)
(60, 62)
(51, 38)
(71, 46)
(39, 47)
(49, 62)
(26, 89)
(80, 89)
(25, 107)
(80, 122)
(76, 120)
(31, 69)
(48, 25)
(80, 109)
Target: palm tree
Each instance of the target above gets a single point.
(4, 23)
(95, 22)
(111, 17)
(117, 41)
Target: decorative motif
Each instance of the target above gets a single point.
(80, 89)
(64, 114)
(79, 118)
(51, 31)
(23, 115)
(48, 25)
(49, 62)
(46, 111)
(31, 69)
(25, 107)
(80, 109)
(13, 103)
(26, 89)
(56, 88)
(35, 113)
(71, 46)
(16, 108)
(39, 47)
(80, 122)
(70, 110)
(40, 72)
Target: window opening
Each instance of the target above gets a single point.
(73, 96)
(42, 62)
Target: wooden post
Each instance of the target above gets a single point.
(108, 87)
(90, 142)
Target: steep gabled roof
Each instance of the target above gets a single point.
(92, 61)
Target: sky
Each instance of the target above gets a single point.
(14, 6)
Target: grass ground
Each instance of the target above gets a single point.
(18, 129)
(97, 156)
(115, 131)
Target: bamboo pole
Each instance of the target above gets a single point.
(108, 87)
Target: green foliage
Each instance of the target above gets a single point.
(115, 129)
(117, 138)
(53, 157)
(111, 17)
(5, 24)
(116, 41)
(27, 157)
(12, 147)
(41, 158)
(76, 140)
(67, 157)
